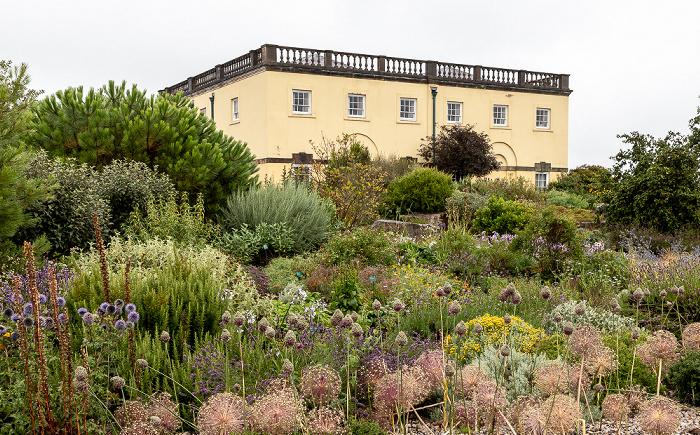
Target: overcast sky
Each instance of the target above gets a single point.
(634, 65)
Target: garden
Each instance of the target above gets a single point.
(139, 301)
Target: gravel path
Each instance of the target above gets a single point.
(690, 424)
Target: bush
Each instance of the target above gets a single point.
(365, 245)
(602, 319)
(462, 206)
(365, 427)
(501, 216)
(684, 375)
(295, 208)
(260, 245)
(587, 181)
(566, 199)
(509, 188)
(422, 191)
(411, 252)
(283, 270)
(393, 167)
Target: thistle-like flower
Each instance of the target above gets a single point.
(461, 328)
(88, 318)
(270, 332)
(454, 308)
(376, 305)
(133, 317)
(478, 328)
(225, 335)
(401, 339)
(615, 407)
(287, 367)
(397, 305)
(546, 293)
(221, 413)
(290, 338)
(238, 319)
(320, 384)
(580, 308)
(507, 319)
(120, 325)
(130, 308)
(659, 416)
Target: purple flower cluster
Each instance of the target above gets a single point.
(110, 313)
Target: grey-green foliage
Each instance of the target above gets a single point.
(247, 245)
(81, 191)
(519, 369)
(566, 199)
(601, 319)
(299, 209)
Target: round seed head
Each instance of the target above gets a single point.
(302, 324)
(568, 328)
(8, 312)
(505, 350)
(376, 305)
(111, 309)
(165, 337)
(28, 322)
(598, 388)
(117, 382)
(356, 330)
(226, 318)
(120, 325)
(236, 388)
(154, 421)
(119, 303)
(346, 322)
(439, 292)
(546, 293)
(507, 319)
(130, 307)
(659, 416)
(80, 373)
(290, 338)
(270, 332)
(336, 318)
(663, 294)
(141, 363)
(674, 289)
(478, 328)
(461, 328)
(133, 317)
(638, 294)
(238, 319)
(397, 305)
(615, 306)
(454, 308)
(225, 335)
(287, 367)
(503, 295)
(263, 324)
(292, 320)
(516, 298)
(354, 316)
(580, 308)
(401, 339)
(447, 289)
(558, 317)
(61, 301)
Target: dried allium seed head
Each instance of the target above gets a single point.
(601, 362)
(663, 294)
(585, 340)
(468, 379)
(238, 319)
(226, 318)
(336, 318)
(636, 397)
(510, 289)
(647, 292)
(225, 335)
(430, 366)
(478, 328)
(552, 377)
(141, 363)
(507, 319)
(663, 346)
(466, 414)
(131, 411)
(565, 412)
(454, 308)
(598, 388)
(326, 421)
(270, 332)
(397, 305)
(236, 388)
(503, 295)
(659, 416)
(449, 370)
(292, 320)
(302, 324)
(691, 337)
(401, 339)
(346, 322)
(117, 382)
(439, 292)
(580, 308)
(287, 367)
(394, 391)
(490, 398)
(320, 384)
(376, 305)
(674, 289)
(165, 337)
(681, 289)
(505, 350)
(354, 316)
(290, 338)
(516, 298)
(166, 410)
(263, 324)
(615, 306)
(558, 317)
(546, 293)
(568, 328)
(638, 294)
(80, 373)
(447, 289)
(80, 386)
(461, 328)
(221, 413)
(372, 371)
(615, 407)
(356, 330)
(276, 414)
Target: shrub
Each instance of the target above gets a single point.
(299, 210)
(601, 319)
(501, 216)
(393, 167)
(566, 199)
(266, 241)
(365, 427)
(684, 375)
(510, 188)
(423, 191)
(365, 245)
(520, 366)
(411, 252)
(462, 206)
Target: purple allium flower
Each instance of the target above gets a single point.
(130, 308)
(82, 311)
(61, 301)
(401, 339)
(558, 317)
(42, 298)
(88, 317)
(356, 330)
(354, 316)
(638, 294)
(439, 292)
(615, 306)
(397, 305)
(263, 324)
(133, 317)
(454, 308)
(516, 298)
(546, 293)
(7, 312)
(287, 367)
(238, 319)
(15, 317)
(580, 308)
(478, 328)
(505, 351)
(336, 318)
(111, 309)
(461, 328)
(568, 328)
(120, 325)
(103, 306)
(346, 322)
(507, 319)
(290, 338)
(80, 373)
(270, 332)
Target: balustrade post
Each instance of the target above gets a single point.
(564, 82)
(219, 72)
(477, 73)
(381, 64)
(269, 54)
(253, 57)
(521, 77)
(328, 59)
(431, 68)
(190, 84)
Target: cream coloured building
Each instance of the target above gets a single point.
(278, 99)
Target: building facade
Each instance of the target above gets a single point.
(279, 99)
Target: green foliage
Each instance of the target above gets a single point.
(624, 348)
(501, 216)
(602, 319)
(550, 238)
(510, 188)
(460, 151)
(365, 245)
(657, 182)
(586, 180)
(566, 199)
(462, 206)
(112, 123)
(348, 179)
(423, 191)
(300, 211)
(514, 372)
(393, 167)
(347, 292)
(17, 192)
(283, 270)
(411, 252)
(258, 245)
(365, 427)
(602, 274)
(684, 375)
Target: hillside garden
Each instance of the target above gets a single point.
(141, 307)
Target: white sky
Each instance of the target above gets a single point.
(634, 65)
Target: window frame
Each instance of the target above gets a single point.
(504, 118)
(363, 99)
(306, 99)
(413, 105)
(203, 111)
(538, 182)
(548, 124)
(457, 104)
(235, 117)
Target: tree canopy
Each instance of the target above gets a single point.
(460, 151)
(165, 132)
